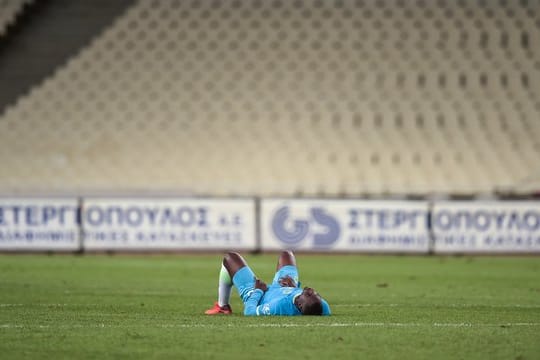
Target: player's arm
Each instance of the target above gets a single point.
(251, 304)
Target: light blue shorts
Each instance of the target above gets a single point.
(244, 279)
(287, 270)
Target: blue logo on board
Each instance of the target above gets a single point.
(323, 228)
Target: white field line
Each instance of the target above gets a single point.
(284, 325)
(50, 304)
(441, 305)
(360, 305)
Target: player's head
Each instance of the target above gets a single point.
(309, 302)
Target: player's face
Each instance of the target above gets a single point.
(306, 298)
(307, 294)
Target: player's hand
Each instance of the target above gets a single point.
(260, 285)
(287, 281)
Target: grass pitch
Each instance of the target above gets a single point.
(384, 307)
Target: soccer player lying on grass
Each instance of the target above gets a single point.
(283, 297)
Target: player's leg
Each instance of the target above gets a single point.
(286, 267)
(241, 274)
(285, 258)
(232, 262)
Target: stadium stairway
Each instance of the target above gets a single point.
(36, 42)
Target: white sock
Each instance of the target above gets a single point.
(224, 287)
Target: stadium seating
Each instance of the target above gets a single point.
(280, 98)
(8, 12)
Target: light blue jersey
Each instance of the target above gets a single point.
(278, 300)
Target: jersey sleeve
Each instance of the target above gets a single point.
(252, 302)
(274, 307)
(325, 308)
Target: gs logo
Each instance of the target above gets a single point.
(300, 229)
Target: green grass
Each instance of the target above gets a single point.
(384, 307)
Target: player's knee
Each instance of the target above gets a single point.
(231, 257)
(233, 261)
(286, 258)
(287, 254)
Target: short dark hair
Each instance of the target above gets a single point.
(313, 306)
